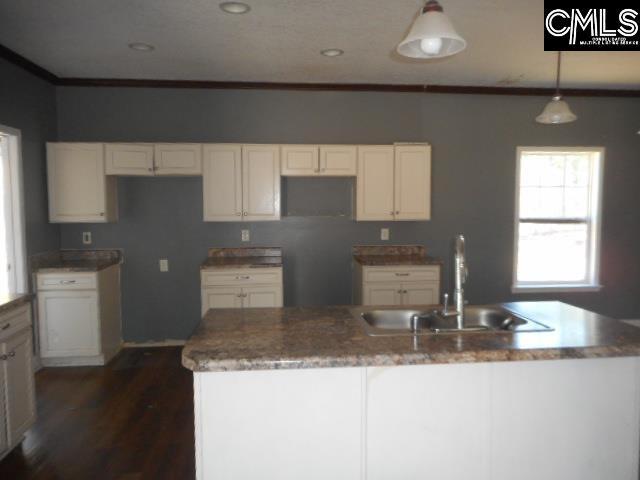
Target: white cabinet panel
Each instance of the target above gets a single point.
(20, 394)
(79, 190)
(129, 159)
(338, 160)
(256, 297)
(261, 182)
(382, 294)
(430, 422)
(221, 297)
(427, 293)
(178, 159)
(300, 160)
(222, 183)
(375, 186)
(69, 323)
(413, 182)
(284, 425)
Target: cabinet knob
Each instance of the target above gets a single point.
(5, 327)
(102, 214)
(12, 354)
(245, 214)
(150, 169)
(397, 212)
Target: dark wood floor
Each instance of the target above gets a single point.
(130, 420)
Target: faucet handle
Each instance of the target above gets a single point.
(445, 309)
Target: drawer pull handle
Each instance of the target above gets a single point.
(243, 277)
(67, 282)
(402, 274)
(3, 357)
(5, 327)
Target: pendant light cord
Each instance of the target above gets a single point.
(558, 75)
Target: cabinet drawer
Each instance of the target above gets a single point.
(67, 281)
(261, 276)
(14, 321)
(413, 274)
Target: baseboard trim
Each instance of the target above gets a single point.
(93, 361)
(154, 344)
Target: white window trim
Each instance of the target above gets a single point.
(18, 239)
(596, 224)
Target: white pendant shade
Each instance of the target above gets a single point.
(556, 111)
(432, 36)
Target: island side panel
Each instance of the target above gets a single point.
(284, 424)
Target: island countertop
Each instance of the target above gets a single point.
(325, 337)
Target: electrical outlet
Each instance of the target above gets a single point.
(164, 265)
(86, 238)
(245, 235)
(384, 234)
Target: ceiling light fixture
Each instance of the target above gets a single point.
(141, 47)
(432, 35)
(557, 110)
(236, 8)
(332, 52)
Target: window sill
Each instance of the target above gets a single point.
(556, 288)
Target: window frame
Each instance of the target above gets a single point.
(594, 225)
(18, 278)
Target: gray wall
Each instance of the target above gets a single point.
(29, 104)
(474, 140)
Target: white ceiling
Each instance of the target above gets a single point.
(280, 40)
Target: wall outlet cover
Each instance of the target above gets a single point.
(164, 265)
(245, 235)
(86, 238)
(384, 234)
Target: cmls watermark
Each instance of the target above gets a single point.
(576, 27)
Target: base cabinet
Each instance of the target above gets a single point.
(416, 285)
(17, 391)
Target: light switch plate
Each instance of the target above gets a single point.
(164, 265)
(86, 238)
(384, 234)
(245, 235)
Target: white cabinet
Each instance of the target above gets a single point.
(392, 285)
(323, 160)
(241, 288)
(134, 159)
(79, 190)
(178, 159)
(241, 183)
(394, 183)
(17, 392)
(79, 317)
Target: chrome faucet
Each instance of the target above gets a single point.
(460, 274)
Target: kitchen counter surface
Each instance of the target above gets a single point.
(392, 255)
(323, 337)
(14, 300)
(249, 257)
(75, 261)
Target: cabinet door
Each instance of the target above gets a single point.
(20, 394)
(300, 160)
(129, 159)
(178, 159)
(77, 183)
(221, 297)
(375, 183)
(382, 294)
(267, 296)
(4, 441)
(420, 293)
(222, 183)
(68, 323)
(338, 160)
(413, 182)
(261, 182)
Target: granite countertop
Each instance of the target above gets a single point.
(392, 255)
(75, 260)
(249, 257)
(14, 300)
(323, 337)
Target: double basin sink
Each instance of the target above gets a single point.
(489, 319)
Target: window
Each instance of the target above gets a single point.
(12, 249)
(557, 230)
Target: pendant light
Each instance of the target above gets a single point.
(432, 35)
(557, 110)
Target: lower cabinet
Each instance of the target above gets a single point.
(17, 392)
(224, 288)
(416, 285)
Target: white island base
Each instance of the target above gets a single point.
(560, 419)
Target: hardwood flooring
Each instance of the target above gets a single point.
(130, 420)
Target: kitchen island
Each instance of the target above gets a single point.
(290, 393)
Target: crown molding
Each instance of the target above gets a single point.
(20, 61)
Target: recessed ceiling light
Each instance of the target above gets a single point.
(141, 47)
(332, 52)
(237, 8)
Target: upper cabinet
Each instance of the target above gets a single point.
(241, 183)
(146, 160)
(394, 183)
(323, 160)
(79, 191)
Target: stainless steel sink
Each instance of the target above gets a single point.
(487, 318)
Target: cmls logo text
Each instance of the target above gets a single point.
(571, 25)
